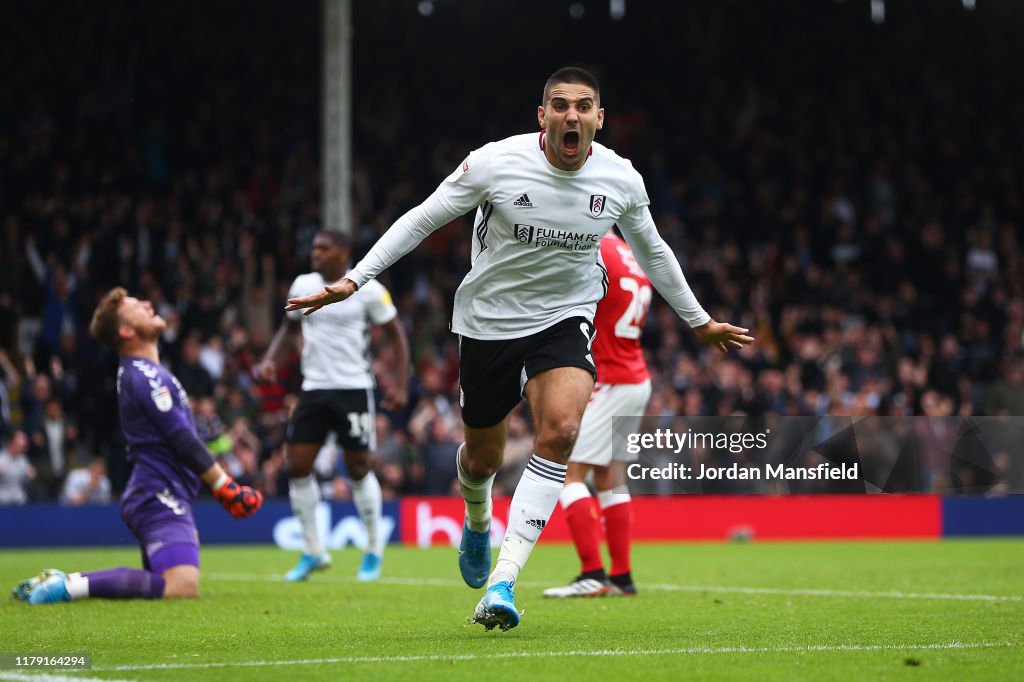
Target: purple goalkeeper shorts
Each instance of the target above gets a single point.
(162, 523)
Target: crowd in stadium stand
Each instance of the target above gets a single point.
(866, 228)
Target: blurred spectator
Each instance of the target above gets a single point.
(212, 358)
(518, 450)
(87, 485)
(58, 447)
(394, 456)
(273, 478)
(337, 489)
(193, 376)
(15, 470)
(48, 432)
(60, 315)
(211, 429)
(242, 459)
(439, 441)
(34, 397)
(1007, 394)
(9, 380)
(238, 404)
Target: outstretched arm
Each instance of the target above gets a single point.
(662, 268)
(401, 238)
(664, 271)
(462, 191)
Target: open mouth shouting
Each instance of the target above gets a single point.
(571, 143)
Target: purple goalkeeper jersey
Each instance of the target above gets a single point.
(153, 407)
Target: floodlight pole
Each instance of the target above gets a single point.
(336, 112)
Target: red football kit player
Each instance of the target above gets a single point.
(622, 390)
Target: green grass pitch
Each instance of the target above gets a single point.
(817, 611)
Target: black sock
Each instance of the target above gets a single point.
(621, 580)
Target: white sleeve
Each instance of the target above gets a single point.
(660, 265)
(461, 192)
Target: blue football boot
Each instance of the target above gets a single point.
(308, 563)
(46, 588)
(369, 569)
(497, 608)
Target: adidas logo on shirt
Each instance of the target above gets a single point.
(537, 523)
(523, 202)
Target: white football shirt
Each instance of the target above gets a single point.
(536, 238)
(336, 338)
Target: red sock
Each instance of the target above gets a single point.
(582, 517)
(617, 521)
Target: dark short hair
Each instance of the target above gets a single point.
(337, 237)
(105, 323)
(571, 75)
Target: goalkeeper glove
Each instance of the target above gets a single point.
(241, 501)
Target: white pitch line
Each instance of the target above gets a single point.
(685, 651)
(50, 677)
(836, 593)
(725, 589)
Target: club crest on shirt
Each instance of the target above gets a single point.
(597, 202)
(524, 233)
(162, 398)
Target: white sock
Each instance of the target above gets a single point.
(369, 502)
(610, 498)
(77, 586)
(304, 494)
(573, 492)
(477, 495)
(532, 505)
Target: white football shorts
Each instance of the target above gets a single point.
(595, 444)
